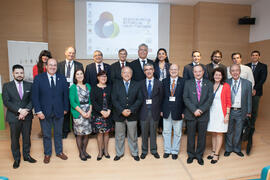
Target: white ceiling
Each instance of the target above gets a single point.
(193, 2)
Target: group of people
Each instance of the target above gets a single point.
(138, 98)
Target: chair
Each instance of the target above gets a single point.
(265, 174)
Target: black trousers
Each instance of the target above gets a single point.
(192, 125)
(66, 123)
(23, 127)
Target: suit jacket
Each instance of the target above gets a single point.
(188, 72)
(177, 107)
(138, 73)
(191, 100)
(210, 69)
(122, 100)
(116, 71)
(157, 96)
(157, 70)
(91, 74)
(260, 75)
(13, 102)
(48, 101)
(246, 96)
(61, 67)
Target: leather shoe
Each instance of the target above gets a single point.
(156, 155)
(62, 156)
(29, 159)
(46, 159)
(174, 156)
(143, 156)
(166, 155)
(190, 160)
(16, 164)
(116, 158)
(64, 136)
(136, 158)
(200, 161)
(239, 154)
(227, 153)
(82, 157)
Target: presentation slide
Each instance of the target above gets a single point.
(110, 26)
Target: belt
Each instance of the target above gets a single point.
(82, 103)
(235, 109)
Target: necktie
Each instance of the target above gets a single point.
(99, 68)
(234, 91)
(122, 65)
(253, 67)
(143, 63)
(172, 89)
(20, 90)
(149, 89)
(68, 70)
(52, 83)
(126, 86)
(199, 90)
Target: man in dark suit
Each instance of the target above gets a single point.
(188, 69)
(137, 64)
(94, 68)
(152, 92)
(126, 99)
(260, 74)
(67, 68)
(17, 98)
(172, 112)
(50, 101)
(198, 97)
(215, 62)
(137, 67)
(241, 95)
(117, 66)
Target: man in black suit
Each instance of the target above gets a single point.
(67, 68)
(137, 67)
(188, 69)
(117, 66)
(126, 99)
(172, 111)
(152, 92)
(198, 97)
(260, 74)
(94, 68)
(17, 98)
(137, 64)
(215, 62)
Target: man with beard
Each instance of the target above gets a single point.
(215, 62)
(17, 98)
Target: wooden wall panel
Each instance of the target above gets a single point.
(21, 21)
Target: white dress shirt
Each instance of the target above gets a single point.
(54, 78)
(246, 73)
(72, 70)
(141, 61)
(237, 98)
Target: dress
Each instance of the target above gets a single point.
(81, 125)
(101, 100)
(216, 122)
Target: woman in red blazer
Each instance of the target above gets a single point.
(219, 112)
(40, 67)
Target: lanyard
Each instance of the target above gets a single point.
(216, 90)
(236, 91)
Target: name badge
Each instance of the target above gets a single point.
(172, 98)
(148, 101)
(68, 79)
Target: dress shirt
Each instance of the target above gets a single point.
(246, 73)
(101, 67)
(72, 70)
(121, 63)
(194, 63)
(200, 82)
(215, 65)
(141, 61)
(125, 83)
(54, 78)
(237, 98)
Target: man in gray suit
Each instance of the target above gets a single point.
(198, 97)
(17, 98)
(241, 108)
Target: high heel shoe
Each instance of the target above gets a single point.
(100, 157)
(83, 158)
(87, 155)
(215, 161)
(106, 156)
(211, 155)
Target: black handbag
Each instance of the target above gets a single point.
(246, 129)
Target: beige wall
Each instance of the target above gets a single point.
(205, 26)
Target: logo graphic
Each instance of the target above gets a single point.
(105, 27)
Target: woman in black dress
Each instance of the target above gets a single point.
(101, 113)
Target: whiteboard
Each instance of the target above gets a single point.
(25, 53)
